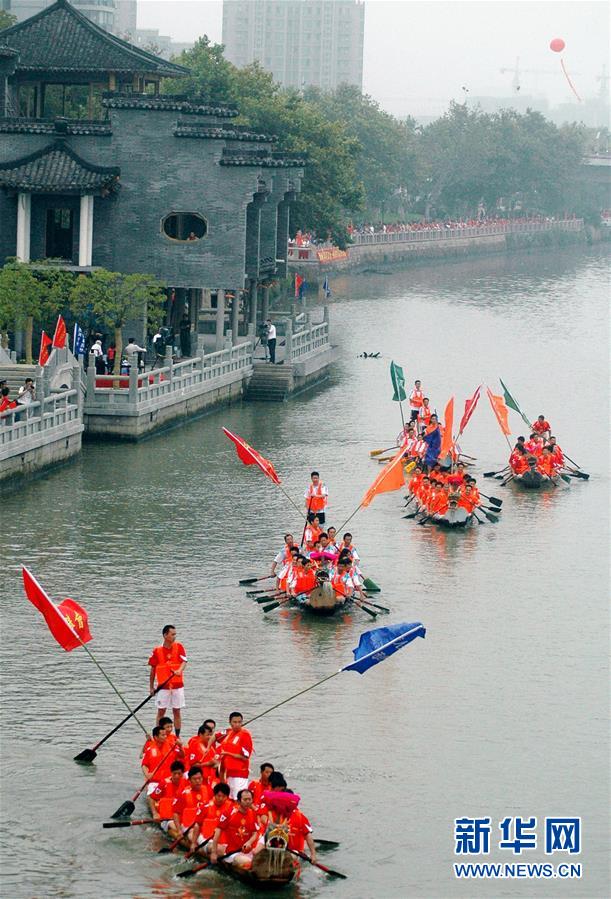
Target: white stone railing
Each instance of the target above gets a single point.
(107, 393)
(36, 421)
(443, 233)
(310, 340)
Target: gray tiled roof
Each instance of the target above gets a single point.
(165, 103)
(62, 39)
(19, 125)
(219, 132)
(57, 169)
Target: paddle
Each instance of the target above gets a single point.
(269, 597)
(324, 868)
(424, 520)
(274, 605)
(305, 524)
(492, 518)
(566, 456)
(325, 845)
(578, 474)
(380, 452)
(411, 499)
(192, 852)
(504, 484)
(493, 474)
(88, 755)
(377, 606)
(253, 580)
(125, 810)
(189, 872)
(359, 605)
(493, 499)
(257, 592)
(477, 518)
(129, 823)
(166, 849)
(370, 585)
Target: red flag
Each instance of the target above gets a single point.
(67, 621)
(45, 349)
(390, 478)
(59, 338)
(250, 456)
(500, 410)
(469, 410)
(298, 283)
(448, 423)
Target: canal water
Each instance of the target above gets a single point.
(502, 709)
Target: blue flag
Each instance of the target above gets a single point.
(326, 288)
(78, 341)
(302, 288)
(376, 645)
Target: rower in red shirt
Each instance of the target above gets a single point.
(258, 787)
(190, 802)
(467, 500)
(300, 834)
(542, 427)
(237, 831)
(235, 752)
(545, 463)
(534, 445)
(557, 453)
(209, 815)
(157, 758)
(201, 750)
(424, 415)
(162, 799)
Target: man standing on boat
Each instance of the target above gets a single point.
(316, 498)
(169, 659)
(416, 400)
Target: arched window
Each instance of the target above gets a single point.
(184, 226)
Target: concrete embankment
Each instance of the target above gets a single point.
(374, 251)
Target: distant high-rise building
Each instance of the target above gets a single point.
(102, 12)
(301, 42)
(126, 16)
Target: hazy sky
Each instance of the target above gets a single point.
(420, 53)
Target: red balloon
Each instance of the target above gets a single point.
(557, 45)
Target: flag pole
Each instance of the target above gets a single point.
(294, 696)
(95, 662)
(293, 504)
(350, 517)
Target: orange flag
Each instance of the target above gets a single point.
(390, 478)
(500, 410)
(448, 422)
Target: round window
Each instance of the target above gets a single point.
(184, 226)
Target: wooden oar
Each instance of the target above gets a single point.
(270, 596)
(477, 518)
(510, 478)
(566, 456)
(410, 500)
(354, 600)
(166, 849)
(88, 755)
(324, 868)
(257, 592)
(492, 518)
(577, 474)
(493, 499)
(125, 810)
(254, 580)
(190, 872)
(129, 823)
(371, 586)
(376, 605)
(380, 452)
(493, 474)
(192, 852)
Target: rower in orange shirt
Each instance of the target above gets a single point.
(542, 427)
(189, 803)
(475, 491)
(157, 759)
(415, 479)
(201, 750)
(162, 799)
(441, 503)
(467, 499)
(534, 445)
(258, 787)
(235, 752)
(546, 465)
(557, 453)
(313, 531)
(208, 815)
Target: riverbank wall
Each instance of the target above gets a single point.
(375, 251)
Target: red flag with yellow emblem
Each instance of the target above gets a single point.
(67, 622)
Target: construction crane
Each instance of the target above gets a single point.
(604, 84)
(517, 71)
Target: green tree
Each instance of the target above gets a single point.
(6, 19)
(116, 299)
(22, 301)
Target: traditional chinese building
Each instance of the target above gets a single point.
(97, 168)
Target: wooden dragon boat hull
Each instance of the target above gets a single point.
(322, 602)
(454, 518)
(533, 480)
(271, 868)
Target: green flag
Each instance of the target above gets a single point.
(398, 382)
(513, 404)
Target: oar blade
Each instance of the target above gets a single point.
(125, 810)
(371, 586)
(495, 501)
(86, 756)
(190, 872)
(490, 474)
(117, 824)
(248, 580)
(271, 607)
(326, 845)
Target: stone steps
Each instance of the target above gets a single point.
(270, 383)
(15, 376)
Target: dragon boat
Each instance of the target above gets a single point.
(271, 868)
(322, 602)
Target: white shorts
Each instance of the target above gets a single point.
(236, 784)
(151, 787)
(165, 825)
(171, 699)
